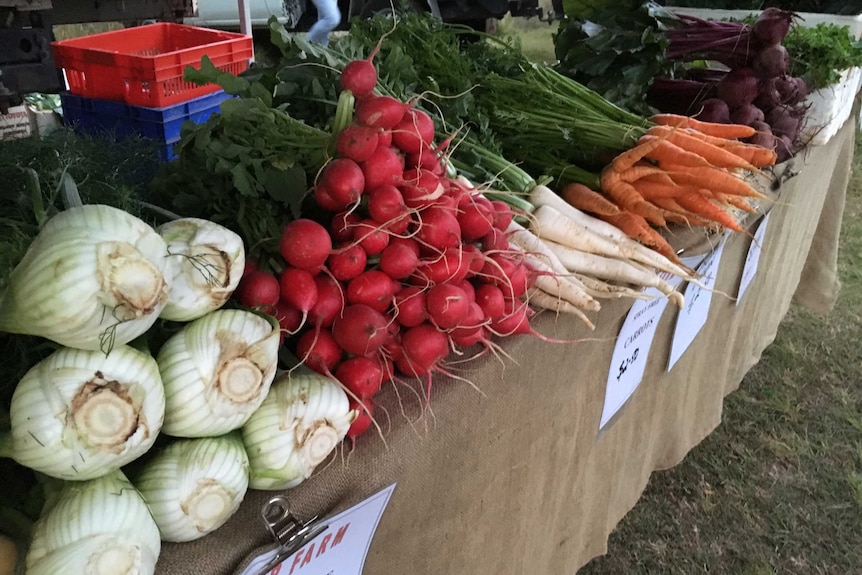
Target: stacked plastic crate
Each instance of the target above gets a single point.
(130, 81)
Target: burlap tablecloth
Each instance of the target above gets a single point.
(515, 478)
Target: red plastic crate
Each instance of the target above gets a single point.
(143, 66)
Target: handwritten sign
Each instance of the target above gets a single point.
(749, 269)
(628, 361)
(340, 550)
(693, 316)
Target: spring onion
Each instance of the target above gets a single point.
(194, 485)
(209, 262)
(79, 414)
(93, 278)
(217, 370)
(96, 527)
(304, 417)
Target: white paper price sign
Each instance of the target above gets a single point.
(340, 550)
(749, 269)
(693, 316)
(628, 361)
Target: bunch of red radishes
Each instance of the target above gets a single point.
(410, 265)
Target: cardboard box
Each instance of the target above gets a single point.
(16, 124)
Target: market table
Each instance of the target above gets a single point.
(517, 477)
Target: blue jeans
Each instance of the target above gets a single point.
(328, 17)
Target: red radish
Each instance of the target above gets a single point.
(398, 226)
(410, 306)
(475, 258)
(360, 330)
(476, 220)
(345, 263)
(380, 112)
(325, 200)
(330, 301)
(343, 180)
(362, 376)
(474, 320)
(356, 142)
(453, 265)
(424, 348)
(298, 289)
(421, 188)
(360, 76)
(372, 288)
(305, 244)
(400, 258)
(427, 159)
(249, 268)
(502, 214)
(318, 349)
(343, 226)
(384, 138)
(385, 166)
(491, 299)
(510, 275)
(480, 335)
(495, 241)
(447, 305)
(363, 420)
(385, 203)
(516, 321)
(439, 229)
(371, 237)
(468, 288)
(414, 132)
(258, 289)
(289, 318)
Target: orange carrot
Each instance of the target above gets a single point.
(627, 197)
(700, 204)
(735, 201)
(588, 200)
(668, 152)
(639, 171)
(683, 216)
(638, 229)
(753, 154)
(651, 188)
(710, 128)
(715, 155)
(629, 158)
(714, 179)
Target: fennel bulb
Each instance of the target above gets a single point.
(216, 371)
(194, 485)
(302, 420)
(80, 414)
(209, 262)
(93, 278)
(96, 527)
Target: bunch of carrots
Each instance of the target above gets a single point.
(682, 171)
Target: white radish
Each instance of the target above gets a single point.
(543, 197)
(544, 300)
(599, 289)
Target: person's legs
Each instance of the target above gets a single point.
(328, 18)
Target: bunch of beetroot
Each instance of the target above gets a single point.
(756, 91)
(408, 265)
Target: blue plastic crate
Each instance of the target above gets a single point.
(119, 120)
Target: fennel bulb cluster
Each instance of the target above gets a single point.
(194, 485)
(94, 277)
(80, 414)
(302, 420)
(208, 262)
(216, 371)
(96, 527)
